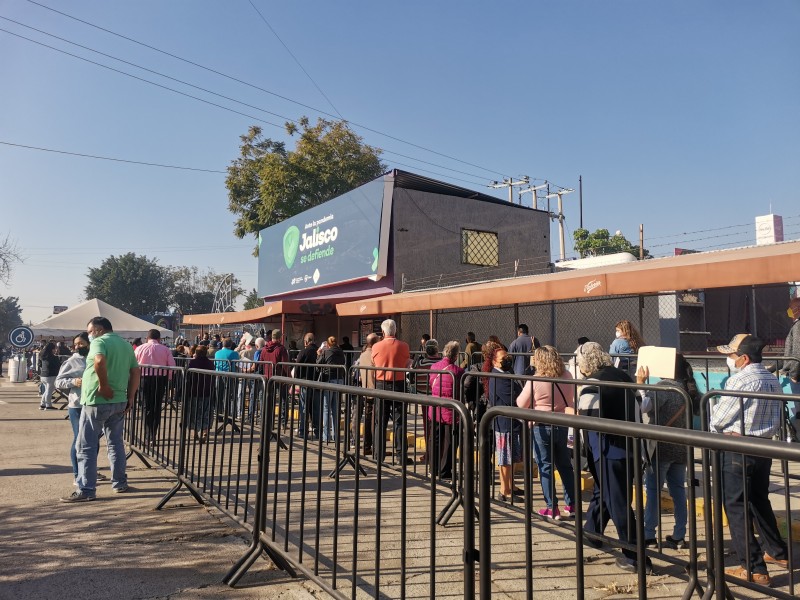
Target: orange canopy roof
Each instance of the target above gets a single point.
(758, 265)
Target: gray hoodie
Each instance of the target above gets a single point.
(72, 369)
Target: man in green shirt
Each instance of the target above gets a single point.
(108, 390)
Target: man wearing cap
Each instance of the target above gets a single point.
(751, 417)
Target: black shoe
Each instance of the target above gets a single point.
(677, 544)
(503, 498)
(629, 565)
(651, 542)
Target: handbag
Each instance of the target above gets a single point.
(651, 446)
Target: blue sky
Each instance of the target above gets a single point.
(682, 116)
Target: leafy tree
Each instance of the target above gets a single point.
(601, 242)
(135, 284)
(10, 316)
(8, 256)
(191, 291)
(253, 300)
(269, 183)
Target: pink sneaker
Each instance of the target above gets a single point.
(568, 512)
(550, 513)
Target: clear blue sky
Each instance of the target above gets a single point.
(682, 116)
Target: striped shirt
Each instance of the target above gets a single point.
(762, 418)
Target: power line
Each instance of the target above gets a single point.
(121, 160)
(141, 78)
(311, 79)
(264, 90)
(215, 94)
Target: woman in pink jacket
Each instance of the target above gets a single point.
(550, 443)
(441, 442)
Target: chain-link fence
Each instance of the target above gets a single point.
(690, 321)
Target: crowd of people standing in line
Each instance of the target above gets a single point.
(102, 378)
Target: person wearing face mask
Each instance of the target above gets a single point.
(749, 417)
(69, 378)
(627, 340)
(507, 432)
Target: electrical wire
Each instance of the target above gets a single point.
(121, 160)
(302, 68)
(264, 90)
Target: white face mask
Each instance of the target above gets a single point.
(732, 365)
(91, 337)
(617, 334)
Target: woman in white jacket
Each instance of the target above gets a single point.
(70, 378)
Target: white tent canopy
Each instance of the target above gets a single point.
(74, 320)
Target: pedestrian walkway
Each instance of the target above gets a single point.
(117, 546)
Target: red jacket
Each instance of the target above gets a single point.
(275, 352)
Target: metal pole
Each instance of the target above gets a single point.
(561, 228)
(510, 190)
(641, 242)
(580, 199)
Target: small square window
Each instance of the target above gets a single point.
(479, 248)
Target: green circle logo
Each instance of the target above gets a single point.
(291, 244)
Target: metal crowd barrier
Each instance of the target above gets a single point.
(218, 440)
(372, 521)
(152, 427)
(634, 434)
(713, 487)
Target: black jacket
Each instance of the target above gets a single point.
(307, 356)
(49, 366)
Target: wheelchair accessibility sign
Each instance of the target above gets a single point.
(21, 337)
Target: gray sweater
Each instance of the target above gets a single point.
(791, 368)
(72, 369)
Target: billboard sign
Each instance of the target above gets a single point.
(338, 241)
(57, 310)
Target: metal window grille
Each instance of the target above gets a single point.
(479, 248)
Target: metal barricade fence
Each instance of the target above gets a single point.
(739, 464)
(633, 543)
(218, 441)
(363, 528)
(152, 426)
(544, 450)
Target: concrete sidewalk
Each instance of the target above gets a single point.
(117, 546)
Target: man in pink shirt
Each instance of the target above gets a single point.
(154, 381)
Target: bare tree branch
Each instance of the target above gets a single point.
(9, 254)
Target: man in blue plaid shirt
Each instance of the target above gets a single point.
(753, 417)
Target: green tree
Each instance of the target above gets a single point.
(8, 256)
(253, 300)
(269, 183)
(10, 316)
(135, 284)
(601, 242)
(191, 294)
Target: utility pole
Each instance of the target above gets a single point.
(510, 184)
(532, 190)
(580, 199)
(641, 241)
(560, 218)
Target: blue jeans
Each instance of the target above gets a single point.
(674, 473)
(330, 412)
(74, 420)
(550, 445)
(309, 410)
(108, 419)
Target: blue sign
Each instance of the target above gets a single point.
(21, 337)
